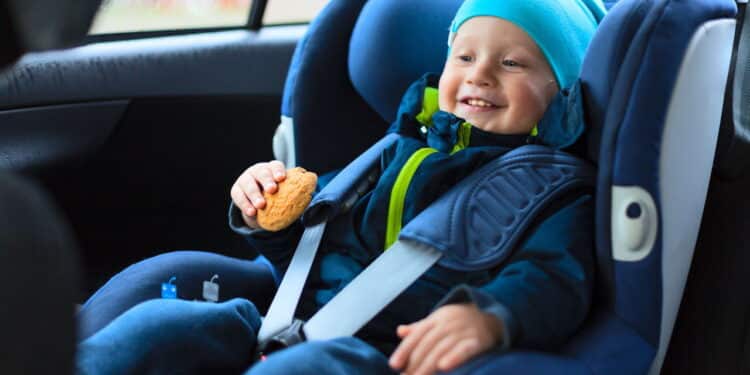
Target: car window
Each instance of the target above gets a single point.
(127, 16)
(133, 16)
(292, 11)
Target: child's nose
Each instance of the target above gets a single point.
(481, 75)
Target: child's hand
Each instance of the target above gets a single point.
(247, 190)
(445, 339)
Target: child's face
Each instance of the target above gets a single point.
(496, 77)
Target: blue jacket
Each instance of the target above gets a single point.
(542, 292)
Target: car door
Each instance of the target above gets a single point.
(139, 132)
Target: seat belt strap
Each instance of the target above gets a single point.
(281, 313)
(372, 290)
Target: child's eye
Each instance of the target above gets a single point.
(511, 63)
(465, 58)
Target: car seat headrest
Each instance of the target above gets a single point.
(599, 73)
(389, 45)
(394, 42)
(35, 25)
(10, 49)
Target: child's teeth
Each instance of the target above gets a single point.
(479, 103)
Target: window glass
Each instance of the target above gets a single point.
(292, 11)
(122, 16)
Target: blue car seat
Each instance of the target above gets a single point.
(653, 82)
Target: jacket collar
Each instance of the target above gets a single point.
(419, 116)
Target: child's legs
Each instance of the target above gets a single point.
(142, 281)
(344, 356)
(168, 336)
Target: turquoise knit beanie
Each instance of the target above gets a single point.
(561, 28)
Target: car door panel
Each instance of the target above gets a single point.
(46, 136)
(238, 62)
(140, 141)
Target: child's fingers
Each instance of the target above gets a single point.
(403, 330)
(240, 200)
(251, 190)
(430, 363)
(420, 352)
(403, 351)
(263, 176)
(459, 353)
(278, 170)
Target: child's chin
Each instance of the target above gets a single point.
(480, 123)
(492, 127)
(484, 118)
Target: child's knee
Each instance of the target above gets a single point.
(179, 322)
(177, 315)
(242, 309)
(156, 334)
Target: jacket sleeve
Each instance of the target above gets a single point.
(543, 292)
(277, 247)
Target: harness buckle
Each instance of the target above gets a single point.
(285, 338)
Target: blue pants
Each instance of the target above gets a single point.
(343, 356)
(169, 336)
(237, 278)
(126, 328)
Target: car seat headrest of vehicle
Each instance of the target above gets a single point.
(393, 43)
(41, 25)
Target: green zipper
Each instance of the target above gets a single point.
(398, 193)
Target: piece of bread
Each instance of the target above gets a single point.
(288, 202)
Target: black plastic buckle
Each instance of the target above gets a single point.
(289, 336)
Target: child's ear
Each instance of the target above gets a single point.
(553, 87)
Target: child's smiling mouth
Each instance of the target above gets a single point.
(476, 104)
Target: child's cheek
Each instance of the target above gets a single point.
(535, 100)
(447, 88)
(444, 101)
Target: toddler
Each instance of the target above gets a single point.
(512, 65)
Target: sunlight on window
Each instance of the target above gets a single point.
(121, 16)
(292, 11)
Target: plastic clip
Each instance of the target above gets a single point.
(211, 289)
(169, 290)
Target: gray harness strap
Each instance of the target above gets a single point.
(281, 313)
(372, 290)
(337, 197)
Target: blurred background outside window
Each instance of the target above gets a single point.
(124, 16)
(292, 11)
